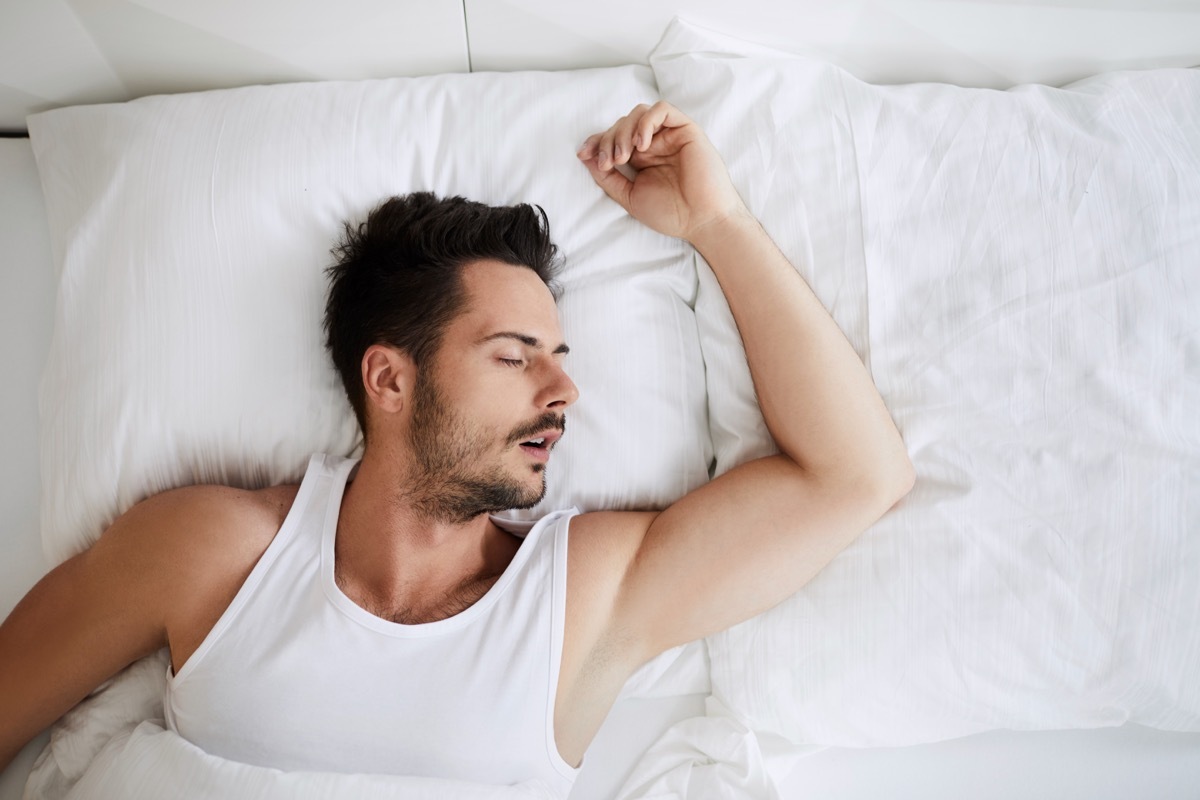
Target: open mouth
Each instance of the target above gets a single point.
(538, 450)
(539, 446)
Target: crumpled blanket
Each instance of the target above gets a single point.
(714, 757)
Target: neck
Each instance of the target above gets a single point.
(390, 548)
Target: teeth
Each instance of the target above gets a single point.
(538, 441)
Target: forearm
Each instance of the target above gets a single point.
(816, 396)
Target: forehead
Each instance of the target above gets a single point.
(505, 297)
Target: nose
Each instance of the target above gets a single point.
(560, 390)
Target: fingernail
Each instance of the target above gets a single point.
(600, 157)
(637, 140)
(617, 151)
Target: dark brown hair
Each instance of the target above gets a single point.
(398, 276)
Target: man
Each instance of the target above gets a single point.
(376, 618)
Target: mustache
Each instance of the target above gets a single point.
(544, 422)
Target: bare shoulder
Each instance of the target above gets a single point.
(221, 519)
(205, 540)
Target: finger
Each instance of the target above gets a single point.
(614, 184)
(588, 148)
(623, 133)
(666, 115)
(604, 150)
(645, 133)
(660, 115)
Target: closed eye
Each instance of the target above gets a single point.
(513, 362)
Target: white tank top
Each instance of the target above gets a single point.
(296, 676)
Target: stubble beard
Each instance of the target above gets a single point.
(451, 484)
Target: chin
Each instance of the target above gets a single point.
(537, 492)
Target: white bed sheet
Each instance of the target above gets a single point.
(1108, 763)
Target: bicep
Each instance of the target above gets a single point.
(738, 546)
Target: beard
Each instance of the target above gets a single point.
(452, 482)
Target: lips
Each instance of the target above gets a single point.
(538, 446)
(544, 439)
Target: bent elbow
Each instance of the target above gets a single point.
(885, 485)
(882, 483)
(898, 481)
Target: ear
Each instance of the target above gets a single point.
(387, 375)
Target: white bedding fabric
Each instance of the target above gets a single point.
(714, 757)
(1019, 271)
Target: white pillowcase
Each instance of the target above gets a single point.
(1018, 270)
(191, 232)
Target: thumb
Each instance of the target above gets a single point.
(614, 184)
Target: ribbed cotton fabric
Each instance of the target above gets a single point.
(296, 676)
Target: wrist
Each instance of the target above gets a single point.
(721, 226)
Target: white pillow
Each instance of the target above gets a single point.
(1019, 271)
(191, 232)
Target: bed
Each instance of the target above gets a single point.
(988, 637)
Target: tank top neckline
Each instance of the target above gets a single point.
(342, 474)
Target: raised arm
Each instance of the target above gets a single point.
(816, 397)
(744, 542)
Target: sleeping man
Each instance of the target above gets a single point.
(377, 618)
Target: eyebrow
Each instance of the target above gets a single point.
(523, 339)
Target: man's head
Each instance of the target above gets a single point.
(443, 326)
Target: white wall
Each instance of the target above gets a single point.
(63, 52)
(991, 43)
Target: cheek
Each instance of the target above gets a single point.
(490, 405)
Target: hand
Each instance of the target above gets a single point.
(681, 185)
